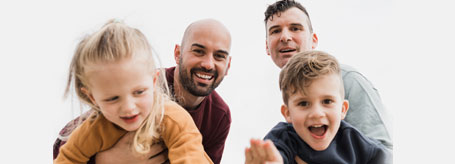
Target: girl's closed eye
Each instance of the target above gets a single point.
(111, 99)
(139, 92)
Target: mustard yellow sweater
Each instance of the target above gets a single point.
(180, 135)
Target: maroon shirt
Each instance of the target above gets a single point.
(212, 118)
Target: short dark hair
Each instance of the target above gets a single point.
(283, 5)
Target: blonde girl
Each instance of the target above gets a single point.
(113, 71)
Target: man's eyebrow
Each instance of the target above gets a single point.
(296, 24)
(223, 52)
(198, 45)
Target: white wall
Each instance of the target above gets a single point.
(403, 47)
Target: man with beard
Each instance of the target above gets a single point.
(202, 62)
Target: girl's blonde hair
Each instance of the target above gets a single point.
(113, 42)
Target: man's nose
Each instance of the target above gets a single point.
(208, 62)
(285, 36)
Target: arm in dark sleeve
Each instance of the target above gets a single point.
(285, 152)
(216, 147)
(282, 141)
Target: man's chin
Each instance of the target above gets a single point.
(201, 91)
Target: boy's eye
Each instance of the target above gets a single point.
(303, 103)
(111, 99)
(327, 101)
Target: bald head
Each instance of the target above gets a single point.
(203, 57)
(207, 26)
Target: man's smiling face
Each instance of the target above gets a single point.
(204, 58)
(287, 34)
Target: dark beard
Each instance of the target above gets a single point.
(188, 83)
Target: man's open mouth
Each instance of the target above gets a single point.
(204, 76)
(286, 50)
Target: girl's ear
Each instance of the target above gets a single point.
(89, 95)
(157, 75)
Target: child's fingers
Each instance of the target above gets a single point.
(257, 146)
(248, 156)
(253, 151)
(271, 151)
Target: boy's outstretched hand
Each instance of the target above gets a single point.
(262, 152)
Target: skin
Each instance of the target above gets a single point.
(123, 91)
(202, 61)
(288, 34)
(322, 106)
(264, 152)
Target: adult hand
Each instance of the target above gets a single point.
(262, 152)
(122, 153)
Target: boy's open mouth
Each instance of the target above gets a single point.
(318, 130)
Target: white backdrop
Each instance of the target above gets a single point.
(403, 47)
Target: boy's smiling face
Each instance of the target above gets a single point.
(316, 116)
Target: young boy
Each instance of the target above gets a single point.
(314, 109)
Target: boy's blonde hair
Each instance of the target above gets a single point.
(303, 68)
(113, 42)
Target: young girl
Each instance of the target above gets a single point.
(114, 72)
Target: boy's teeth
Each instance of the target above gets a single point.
(317, 126)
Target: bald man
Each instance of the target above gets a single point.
(202, 62)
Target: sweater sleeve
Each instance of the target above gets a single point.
(90, 137)
(181, 136)
(381, 155)
(366, 110)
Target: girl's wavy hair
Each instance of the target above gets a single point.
(113, 42)
(303, 68)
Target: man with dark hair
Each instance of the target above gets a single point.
(289, 31)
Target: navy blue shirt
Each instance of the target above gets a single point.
(349, 146)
